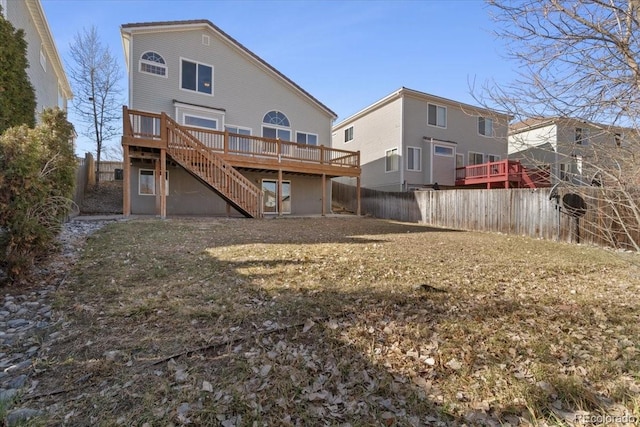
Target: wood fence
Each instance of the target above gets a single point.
(511, 211)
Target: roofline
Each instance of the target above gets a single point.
(199, 23)
(546, 121)
(403, 91)
(42, 26)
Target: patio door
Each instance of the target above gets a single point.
(270, 196)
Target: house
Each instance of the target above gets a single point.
(45, 71)
(230, 134)
(411, 140)
(571, 150)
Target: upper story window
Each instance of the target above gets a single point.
(196, 77)
(485, 126)
(153, 63)
(278, 121)
(348, 134)
(437, 116)
(306, 138)
(582, 136)
(201, 122)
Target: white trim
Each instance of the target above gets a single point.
(155, 64)
(187, 114)
(153, 174)
(196, 90)
(491, 134)
(461, 155)
(436, 145)
(493, 155)
(239, 127)
(275, 181)
(446, 114)
(345, 134)
(307, 133)
(386, 157)
(419, 149)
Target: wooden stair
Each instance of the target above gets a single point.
(213, 171)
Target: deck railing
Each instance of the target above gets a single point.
(140, 124)
(501, 171)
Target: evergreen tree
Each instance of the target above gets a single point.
(17, 97)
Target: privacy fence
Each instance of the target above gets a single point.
(536, 213)
(86, 175)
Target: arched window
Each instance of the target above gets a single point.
(275, 126)
(276, 118)
(153, 63)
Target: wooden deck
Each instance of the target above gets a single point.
(214, 157)
(501, 174)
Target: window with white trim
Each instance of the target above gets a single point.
(443, 150)
(270, 196)
(348, 134)
(437, 116)
(200, 122)
(196, 77)
(147, 182)
(153, 63)
(582, 136)
(391, 163)
(278, 125)
(414, 159)
(485, 126)
(306, 138)
(459, 160)
(493, 158)
(238, 142)
(43, 59)
(476, 158)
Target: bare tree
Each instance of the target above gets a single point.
(95, 74)
(579, 63)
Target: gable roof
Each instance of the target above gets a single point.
(538, 122)
(403, 91)
(205, 23)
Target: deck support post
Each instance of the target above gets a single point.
(126, 184)
(324, 194)
(279, 192)
(358, 195)
(163, 183)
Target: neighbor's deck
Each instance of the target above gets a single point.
(143, 130)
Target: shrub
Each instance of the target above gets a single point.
(37, 175)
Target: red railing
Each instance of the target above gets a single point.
(503, 171)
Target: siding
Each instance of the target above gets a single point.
(245, 90)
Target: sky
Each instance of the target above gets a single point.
(347, 54)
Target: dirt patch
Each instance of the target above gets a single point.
(104, 198)
(339, 321)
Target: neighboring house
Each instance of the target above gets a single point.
(571, 150)
(411, 140)
(225, 129)
(45, 67)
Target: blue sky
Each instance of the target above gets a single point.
(347, 54)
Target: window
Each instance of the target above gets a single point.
(147, 182)
(414, 158)
(280, 121)
(153, 63)
(582, 136)
(485, 126)
(197, 77)
(43, 59)
(200, 122)
(149, 127)
(441, 150)
(437, 116)
(493, 158)
(270, 196)
(306, 138)
(237, 142)
(391, 163)
(459, 160)
(476, 158)
(348, 134)
(205, 40)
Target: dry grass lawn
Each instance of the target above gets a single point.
(340, 321)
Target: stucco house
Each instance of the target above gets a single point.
(411, 140)
(571, 150)
(45, 71)
(230, 134)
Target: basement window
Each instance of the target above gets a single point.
(147, 182)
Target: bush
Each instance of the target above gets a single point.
(37, 176)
